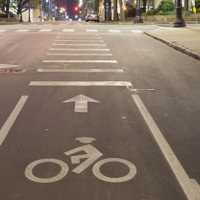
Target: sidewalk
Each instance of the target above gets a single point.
(186, 40)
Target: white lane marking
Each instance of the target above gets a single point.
(68, 30)
(91, 30)
(45, 30)
(86, 44)
(196, 188)
(79, 40)
(12, 118)
(166, 150)
(98, 172)
(22, 30)
(82, 70)
(71, 49)
(79, 54)
(2, 31)
(81, 103)
(79, 61)
(30, 168)
(5, 66)
(137, 31)
(81, 83)
(114, 31)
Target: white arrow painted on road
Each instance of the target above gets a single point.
(81, 103)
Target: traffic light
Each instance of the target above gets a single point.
(76, 8)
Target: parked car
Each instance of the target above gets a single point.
(92, 17)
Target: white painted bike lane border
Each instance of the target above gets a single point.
(11, 119)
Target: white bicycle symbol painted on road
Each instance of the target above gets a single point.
(91, 156)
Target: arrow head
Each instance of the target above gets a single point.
(81, 98)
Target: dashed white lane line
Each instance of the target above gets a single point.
(175, 165)
(68, 30)
(2, 31)
(71, 49)
(45, 30)
(79, 61)
(81, 83)
(91, 30)
(12, 118)
(82, 70)
(81, 45)
(22, 30)
(79, 54)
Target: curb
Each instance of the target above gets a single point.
(175, 46)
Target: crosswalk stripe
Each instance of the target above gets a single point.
(79, 61)
(70, 49)
(114, 31)
(68, 30)
(81, 70)
(45, 30)
(22, 30)
(91, 30)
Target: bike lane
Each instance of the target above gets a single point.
(49, 125)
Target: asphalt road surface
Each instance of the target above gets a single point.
(96, 112)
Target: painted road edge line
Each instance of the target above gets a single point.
(12, 118)
(82, 70)
(81, 83)
(175, 165)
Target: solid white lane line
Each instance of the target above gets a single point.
(22, 30)
(12, 118)
(68, 30)
(62, 44)
(71, 49)
(80, 83)
(45, 30)
(79, 54)
(4, 66)
(79, 40)
(175, 165)
(91, 30)
(79, 61)
(82, 70)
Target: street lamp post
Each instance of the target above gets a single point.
(179, 18)
(138, 17)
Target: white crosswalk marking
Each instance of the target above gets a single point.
(137, 31)
(68, 30)
(45, 30)
(114, 31)
(91, 30)
(22, 30)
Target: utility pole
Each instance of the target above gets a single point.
(179, 17)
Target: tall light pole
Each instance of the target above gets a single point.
(138, 17)
(179, 17)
